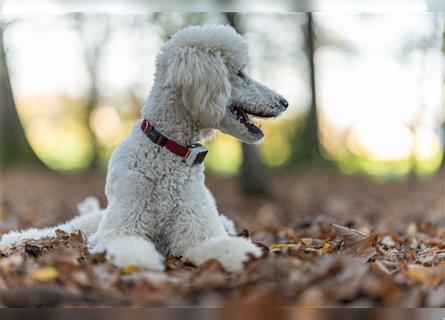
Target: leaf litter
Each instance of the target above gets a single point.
(323, 260)
(341, 270)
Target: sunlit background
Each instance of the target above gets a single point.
(79, 81)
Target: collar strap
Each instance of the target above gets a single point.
(191, 155)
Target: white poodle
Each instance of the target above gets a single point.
(158, 203)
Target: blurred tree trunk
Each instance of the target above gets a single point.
(92, 51)
(442, 165)
(307, 148)
(253, 171)
(14, 146)
(92, 101)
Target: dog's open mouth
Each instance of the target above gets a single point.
(242, 116)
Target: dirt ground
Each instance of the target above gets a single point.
(328, 240)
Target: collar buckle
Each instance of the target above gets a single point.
(153, 134)
(195, 154)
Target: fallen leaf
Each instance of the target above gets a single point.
(364, 230)
(45, 274)
(327, 247)
(379, 268)
(129, 269)
(61, 234)
(306, 242)
(347, 235)
(8, 264)
(428, 276)
(411, 231)
(388, 242)
(365, 248)
(311, 298)
(356, 243)
(282, 245)
(77, 237)
(209, 274)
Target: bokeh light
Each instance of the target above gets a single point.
(106, 125)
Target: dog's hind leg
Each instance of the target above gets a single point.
(125, 247)
(129, 250)
(124, 233)
(123, 243)
(87, 222)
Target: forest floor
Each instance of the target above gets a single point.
(328, 240)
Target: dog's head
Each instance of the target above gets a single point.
(205, 67)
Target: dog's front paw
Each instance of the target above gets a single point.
(232, 252)
(129, 250)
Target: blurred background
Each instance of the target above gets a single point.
(364, 133)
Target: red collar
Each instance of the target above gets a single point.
(191, 155)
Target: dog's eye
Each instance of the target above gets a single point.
(240, 74)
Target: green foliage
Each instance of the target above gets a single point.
(388, 169)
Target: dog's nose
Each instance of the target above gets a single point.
(284, 103)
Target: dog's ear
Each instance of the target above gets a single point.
(202, 79)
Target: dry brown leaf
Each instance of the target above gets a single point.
(356, 243)
(77, 237)
(365, 248)
(209, 274)
(311, 298)
(306, 242)
(379, 268)
(62, 234)
(429, 276)
(282, 245)
(9, 263)
(347, 235)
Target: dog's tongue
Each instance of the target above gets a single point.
(244, 119)
(253, 128)
(243, 115)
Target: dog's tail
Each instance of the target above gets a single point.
(90, 215)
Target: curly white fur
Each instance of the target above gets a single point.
(157, 205)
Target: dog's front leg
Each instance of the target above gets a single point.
(199, 236)
(232, 252)
(227, 223)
